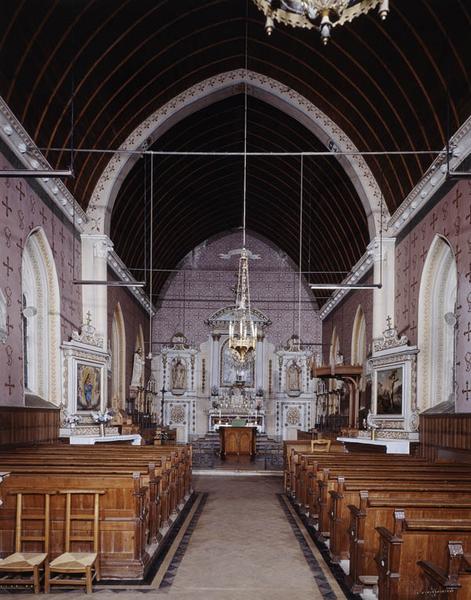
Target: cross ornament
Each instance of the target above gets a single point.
(457, 197)
(9, 385)
(8, 267)
(434, 220)
(7, 206)
(468, 332)
(21, 192)
(89, 319)
(413, 327)
(468, 274)
(424, 253)
(389, 321)
(19, 244)
(61, 235)
(43, 216)
(8, 324)
(467, 391)
(414, 239)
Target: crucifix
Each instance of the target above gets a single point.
(6, 264)
(9, 385)
(7, 206)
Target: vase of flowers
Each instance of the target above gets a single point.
(102, 419)
(72, 421)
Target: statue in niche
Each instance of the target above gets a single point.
(137, 370)
(178, 375)
(293, 377)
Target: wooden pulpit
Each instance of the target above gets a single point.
(237, 441)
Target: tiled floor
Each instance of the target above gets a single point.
(242, 541)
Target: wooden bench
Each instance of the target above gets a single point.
(409, 542)
(141, 497)
(453, 582)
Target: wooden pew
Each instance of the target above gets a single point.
(409, 542)
(452, 583)
(377, 509)
(142, 496)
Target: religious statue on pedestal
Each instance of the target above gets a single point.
(293, 377)
(179, 375)
(137, 371)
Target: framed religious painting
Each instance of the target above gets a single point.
(89, 386)
(389, 390)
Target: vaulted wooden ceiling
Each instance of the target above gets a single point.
(398, 85)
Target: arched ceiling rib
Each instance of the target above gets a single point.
(399, 85)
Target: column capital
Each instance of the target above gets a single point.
(386, 244)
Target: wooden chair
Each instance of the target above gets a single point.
(27, 562)
(72, 563)
(320, 445)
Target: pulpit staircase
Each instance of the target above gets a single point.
(269, 452)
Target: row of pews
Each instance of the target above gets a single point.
(396, 524)
(142, 491)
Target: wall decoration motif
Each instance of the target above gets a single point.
(88, 387)
(293, 416)
(177, 414)
(389, 390)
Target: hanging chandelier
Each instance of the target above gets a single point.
(242, 328)
(317, 14)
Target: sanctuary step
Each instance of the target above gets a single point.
(269, 452)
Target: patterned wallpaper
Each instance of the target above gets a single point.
(450, 217)
(21, 210)
(343, 317)
(207, 283)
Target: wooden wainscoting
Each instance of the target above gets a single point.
(21, 425)
(446, 437)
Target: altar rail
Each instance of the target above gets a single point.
(446, 437)
(21, 425)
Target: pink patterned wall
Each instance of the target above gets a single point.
(450, 217)
(21, 210)
(206, 283)
(343, 317)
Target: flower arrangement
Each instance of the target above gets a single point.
(102, 417)
(72, 420)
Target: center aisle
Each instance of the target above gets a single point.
(244, 543)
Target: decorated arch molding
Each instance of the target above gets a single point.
(214, 90)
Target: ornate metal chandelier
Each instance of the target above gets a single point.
(319, 14)
(242, 329)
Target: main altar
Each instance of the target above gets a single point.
(233, 403)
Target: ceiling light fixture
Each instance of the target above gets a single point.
(242, 326)
(317, 14)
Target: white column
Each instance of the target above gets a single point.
(260, 363)
(383, 299)
(215, 356)
(95, 250)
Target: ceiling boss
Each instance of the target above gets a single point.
(317, 14)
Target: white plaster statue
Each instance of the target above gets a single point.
(293, 378)
(179, 375)
(137, 370)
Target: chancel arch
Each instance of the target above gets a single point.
(118, 353)
(436, 326)
(40, 319)
(358, 351)
(216, 89)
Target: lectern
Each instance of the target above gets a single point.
(237, 441)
